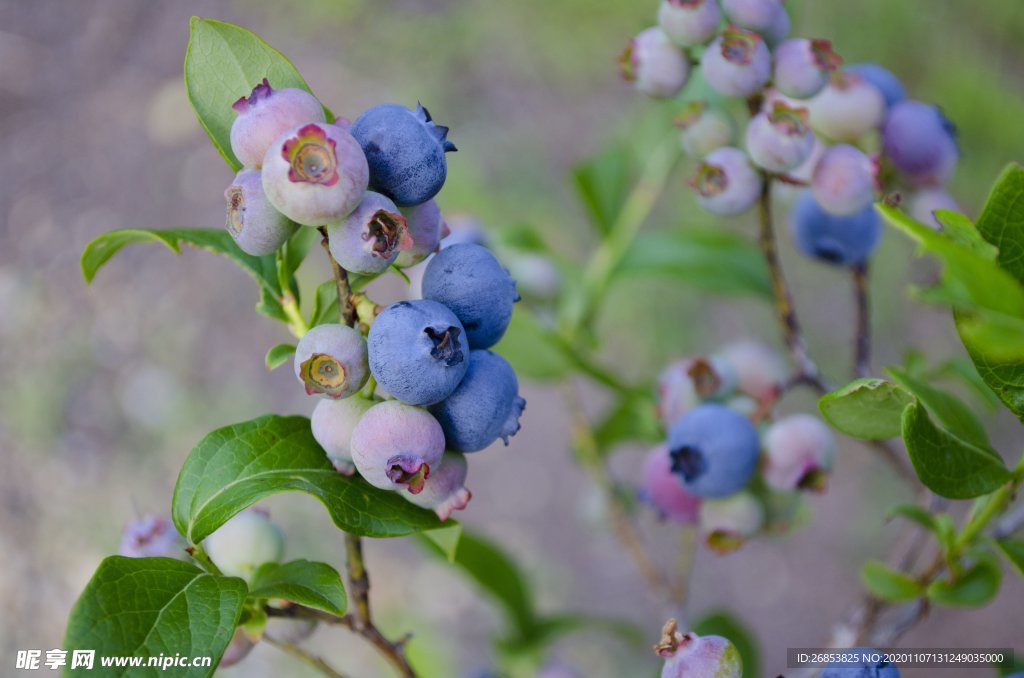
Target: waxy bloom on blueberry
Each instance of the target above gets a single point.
(315, 173)
(844, 179)
(369, 239)
(265, 115)
(883, 80)
(725, 182)
(245, 542)
(333, 422)
(405, 151)
(799, 452)
(485, 406)
(654, 64)
(780, 140)
(847, 108)
(691, 656)
(445, 490)
(924, 203)
(426, 228)
(471, 281)
(663, 489)
(802, 66)
(685, 383)
(395, 446)
(862, 669)
(760, 370)
(703, 128)
(728, 523)
(330, 360)
(737, 63)
(755, 15)
(418, 351)
(840, 241)
(920, 142)
(689, 22)
(714, 450)
(252, 221)
(151, 536)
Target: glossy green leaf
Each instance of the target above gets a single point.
(724, 624)
(603, 183)
(278, 355)
(975, 587)
(446, 539)
(147, 607)
(236, 466)
(316, 585)
(888, 584)
(531, 349)
(325, 304)
(949, 410)
(870, 409)
(1013, 549)
(1002, 220)
(961, 230)
(947, 465)
(915, 513)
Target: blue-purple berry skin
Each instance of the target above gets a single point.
(331, 360)
(919, 140)
(688, 23)
(692, 656)
(865, 669)
(847, 108)
(755, 15)
(418, 351)
(843, 181)
(371, 238)
(426, 227)
(840, 241)
(726, 182)
(266, 114)
(405, 151)
(470, 281)
(486, 405)
(883, 79)
(780, 140)
(703, 128)
(332, 423)
(737, 63)
(252, 221)
(802, 67)
(654, 64)
(714, 450)
(152, 536)
(395, 446)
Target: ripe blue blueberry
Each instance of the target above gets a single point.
(864, 669)
(395, 446)
(245, 542)
(841, 241)
(315, 173)
(369, 239)
(847, 108)
(884, 81)
(485, 406)
(151, 536)
(445, 490)
(426, 228)
(252, 221)
(265, 115)
(920, 142)
(755, 15)
(781, 139)
(714, 450)
(405, 151)
(689, 22)
(725, 182)
(330, 360)
(418, 351)
(663, 490)
(844, 180)
(470, 281)
(726, 524)
(654, 64)
(737, 63)
(703, 128)
(802, 67)
(332, 423)
(691, 656)
(799, 451)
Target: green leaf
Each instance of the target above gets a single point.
(295, 250)
(223, 63)
(870, 409)
(951, 412)
(236, 466)
(552, 628)
(1013, 549)
(325, 304)
(965, 371)
(603, 183)
(145, 607)
(533, 350)
(316, 585)
(961, 230)
(976, 586)
(917, 514)
(279, 355)
(716, 261)
(1002, 220)
(950, 467)
(888, 584)
(99, 251)
(724, 624)
(446, 539)
(1004, 376)
(631, 418)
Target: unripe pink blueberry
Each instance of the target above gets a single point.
(844, 180)
(729, 522)
(780, 140)
(395, 446)
(662, 489)
(152, 536)
(847, 108)
(237, 650)
(426, 227)
(703, 128)
(245, 542)
(920, 142)
(761, 371)
(691, 656)
(330, 360)
(802, 66)
(654, 64)
(685, 383)
(369, 239)
(333, 422)
(924, 203)
(755, 15)
(445, 490)
(266, 114)
(315, 173)
(737, 63)
(252, 221)
(726, 182)
(799, 451)
(689, 22)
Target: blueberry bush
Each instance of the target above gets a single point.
(402, 394)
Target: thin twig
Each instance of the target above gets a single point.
(303, 655)
(345, 306)
(862, 343)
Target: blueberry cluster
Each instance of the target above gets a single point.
(729, 462)
(848, 134)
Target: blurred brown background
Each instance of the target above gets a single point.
(105, 389)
